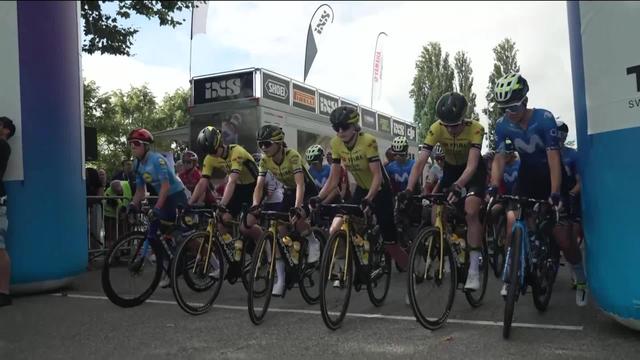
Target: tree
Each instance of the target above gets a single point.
(174, 110)
(103, 32)
(434, 77)
(464, 82)
(505, 62)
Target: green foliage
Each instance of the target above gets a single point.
(464, 82)
(115, 113)
(104, 33)
(434, 77)
(505, 57)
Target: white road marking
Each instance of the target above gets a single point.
(356, 315)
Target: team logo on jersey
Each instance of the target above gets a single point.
(162, 162)
(147, 177)
(529, 148)
(401, 178)
(509, 178)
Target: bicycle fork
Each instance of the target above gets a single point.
(524, 245)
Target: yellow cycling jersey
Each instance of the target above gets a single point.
(357, 159)
(235, 160)
(456, 148)
(285, 172)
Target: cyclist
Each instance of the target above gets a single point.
(435, 172)
(463, 168)
(358, 152)
(534, 133)
(151, 169)
(512, 165)
(273, 189)
(400, 168)
(344, 187)
(287, 167)
(240, 168)
(314, 156)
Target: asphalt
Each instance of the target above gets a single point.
(80, 323)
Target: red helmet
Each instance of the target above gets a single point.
(140, 134)
(189, 156)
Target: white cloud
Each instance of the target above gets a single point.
(120, 72)
(273, 36)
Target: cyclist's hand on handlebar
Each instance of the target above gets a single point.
(404, 195)
(314, 202)
(132, 209)
(254, 210)
(455, 192)
(366, 205)
(554, 199)
(153, 214)
(492, 192)
(297, 213)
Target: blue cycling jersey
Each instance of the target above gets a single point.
(570, 163)
(399, 174)
(154, 170)
(533, 142)
(320, 176)
(510, 176)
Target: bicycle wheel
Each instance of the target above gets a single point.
(246, 263)
(380, 277)
(262, 278)
(197, 272)
(495, 232)
(432, 278)
(514, 280)
(309, 283)
(544, 273)
(336, 280)
(129, 276)
(474, 298)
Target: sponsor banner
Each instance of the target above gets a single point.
(368, 118)
(326, 103)
(344, 102)
(223, 88)
(412, 133)
(273, 117)
(276, 88)
(398, 128)
(384, 123)
(611, 65)
(303, 97)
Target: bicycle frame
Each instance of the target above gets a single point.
(440, 226)
(346, 227)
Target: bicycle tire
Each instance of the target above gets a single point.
(474, 298)
(260, 253)
(514, 281)
(494, 226)
(385, 272)
(429, 237)
(307, 279)
(182, 268)
(545, 270)
(114, 254)
(325, 279)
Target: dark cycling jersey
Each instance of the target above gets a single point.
(320, 176)
(399, 174)
(510, 176)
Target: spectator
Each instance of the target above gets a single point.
(111, 206)
(6, 132)
(102, 175)
(126, 174)
(190, 175)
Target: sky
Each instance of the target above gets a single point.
(272, 35)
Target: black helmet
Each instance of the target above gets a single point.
(451, 108)
(344, 115)
(209, 139)
(270, 133)
(562, 127)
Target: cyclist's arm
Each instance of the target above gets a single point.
(376, 170)
(299, 178)
(257, 192)
(576, 189)
(555, 169)
(436, 188)
(472, 166)
(497, 169)
(200, 188)
(230, 188)
(332, 181)
(418, 168)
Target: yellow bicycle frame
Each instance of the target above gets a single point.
(346, 225)
(440, 226)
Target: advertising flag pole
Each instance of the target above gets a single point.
(373, 70)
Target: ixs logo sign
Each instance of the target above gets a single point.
(222, 88)
(275, 88)
(399, 129)
(326, 103)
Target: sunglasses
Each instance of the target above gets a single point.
(515, 108)
(343, 127)
(449, 126)
(137, 143)
(265, 144)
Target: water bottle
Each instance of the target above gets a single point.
(458, 246)
(289, 243)
(226, 238)
(295, 252)
(238, 250)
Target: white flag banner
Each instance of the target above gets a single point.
(199, 19)
(378, 57)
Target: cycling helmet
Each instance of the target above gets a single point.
(189, 156)
(451, 107)
(510, 89)
(141, 135)
(563, 130)
(314, 153)
(209, 140)
(344, 115)
(508, 146)
(270, 133)
(400, 145)
(438, 152)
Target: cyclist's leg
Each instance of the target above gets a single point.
(473, 202)
(167, 215)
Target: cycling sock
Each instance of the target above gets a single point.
(474, 261)
(280, 270)
(578, 270)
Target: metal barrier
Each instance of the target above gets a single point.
(99, 235)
